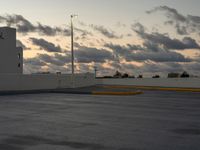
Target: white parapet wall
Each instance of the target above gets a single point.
(158, 82)
(17, 82)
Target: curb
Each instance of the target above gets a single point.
(154, 88)
(116, 93)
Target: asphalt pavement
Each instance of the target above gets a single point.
(155, 120)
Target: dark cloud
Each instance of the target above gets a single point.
(123, 50)
(54, 68)
(192, 68)
(33, 65)
(45, 45)
(83, 32)
(90, 54)
(171, 13)
(149, 51)
(51, 31)
(20, 44)
(164, 40)
(183, 24)
(57, 59)
(107, 33)
(161, 56)
(103, 30)
(53, 64)
(34, 61)
(62, 62)
(23, 25)
(162, 69)
(182, 30)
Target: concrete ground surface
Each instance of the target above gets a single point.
(154, 120)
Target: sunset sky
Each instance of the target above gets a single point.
(133, 36)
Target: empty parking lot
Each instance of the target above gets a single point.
(150, 121)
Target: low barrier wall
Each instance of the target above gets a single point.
(159, 82)
(14, 82)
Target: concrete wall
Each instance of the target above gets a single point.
(9, 60)
(16, 82)
(160, 82)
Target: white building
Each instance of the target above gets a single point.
(11, 57)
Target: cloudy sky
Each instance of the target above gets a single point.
(134, 36)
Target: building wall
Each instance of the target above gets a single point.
(160, 82)
(16, 82)
(9, 60)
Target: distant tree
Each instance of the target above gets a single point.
(117, 74)
(173, 75)
(125, 75)
(132, 76)
(185, 75)
(156, 76)
(140, 76)
(107, 77)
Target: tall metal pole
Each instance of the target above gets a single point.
(72, 44)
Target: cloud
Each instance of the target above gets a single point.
(45, 45)
(107, 33)
(89, 54)
(126, 48)
(103, 30)
(24, 26)
(183, 24)
(62, 62)
(161, 68)
(146, 54)
(120, 50)
(46, 63)
(56, 59)
(83, 32)
(192, 67)
(33, 65)
(171, 13)
(164, 40)
(120, 25)
(20, 44)
(54, 68)
(148, 51)
(34, 61)
(161, 56)
(51, 31)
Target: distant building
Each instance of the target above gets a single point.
(11, 58)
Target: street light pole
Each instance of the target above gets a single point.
(72, 44)
(72, 49)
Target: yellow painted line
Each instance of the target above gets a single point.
(116, 93)
(153, 88)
